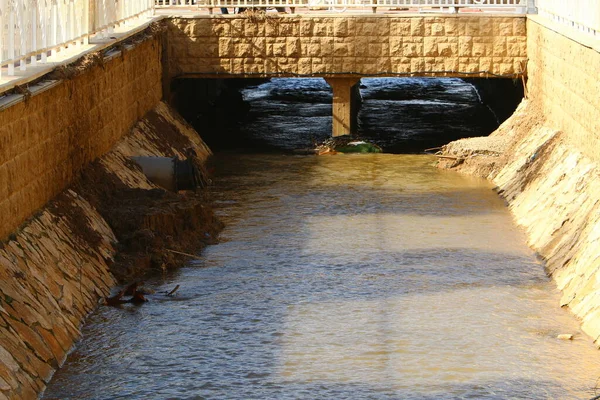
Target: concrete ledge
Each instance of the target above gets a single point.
(69, 55)
(573, 34)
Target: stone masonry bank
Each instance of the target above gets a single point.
(292, 45)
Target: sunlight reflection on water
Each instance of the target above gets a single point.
(344, 277)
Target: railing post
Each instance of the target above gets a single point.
(34, 24)
(2, 10)
(22, 36)
(44, 27)
(53, 25)
(87, 20)
(72, 26)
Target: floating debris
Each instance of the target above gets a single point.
(342, 144)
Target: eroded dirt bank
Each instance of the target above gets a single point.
(111, 225)
(554, 192)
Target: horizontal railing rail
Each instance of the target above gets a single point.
(521, 5)
(582, 15)
(31, 30)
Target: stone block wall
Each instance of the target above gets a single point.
(564, 83)
(46, 139)
(292, 45)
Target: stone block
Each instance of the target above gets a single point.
(451, 26)
(468, 66)
(472, 28)
(292, 47)
(361, 48)
(225, 47)
(327, 46)
(486, 26)
(314, 49)
(438, 29)
(238, 27)
(500, 47)
(369, 69)
(270, 65)
(318, 66)
(340, 27)
(319, 29)
(400, 67)
(221, 28)
(34, 340)
(367, 29)
(272, 30)
(343, 49)
(375, 51)
(503, 68)
(400, 28)
(199, 29)
(465, 46)
(349, 64)
(479, 50)
(504, 29)
(287, 65)
(519, 27)
(417, 65)
(305, 66)
(237, 66)
(279, 49)
(516, 50)
(485, 64)
(396, 46)
(430, 46)
(383, 64)
(306, 27)
(446, 49)
(383, 28)
(417, 27)
(451, 64)
(251, 29)
(290, 29)
(412, 50)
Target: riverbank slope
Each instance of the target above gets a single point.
(546, 164)
(109, 225)
(553, 191)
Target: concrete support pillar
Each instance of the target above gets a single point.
(342, 104)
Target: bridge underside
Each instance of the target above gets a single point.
(342, 49)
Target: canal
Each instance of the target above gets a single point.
(345, 277)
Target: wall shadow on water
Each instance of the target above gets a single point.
(402, 115)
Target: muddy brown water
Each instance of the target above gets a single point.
(343, 277)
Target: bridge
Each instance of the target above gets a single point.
(339, 40)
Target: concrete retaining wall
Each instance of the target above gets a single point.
(564, 83)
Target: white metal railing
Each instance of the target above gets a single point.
(521, 5)
(583, 15)
(30, 30)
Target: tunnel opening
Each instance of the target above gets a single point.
(401, 115)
